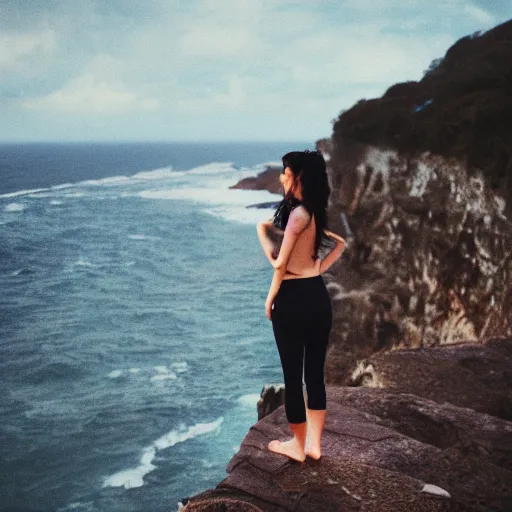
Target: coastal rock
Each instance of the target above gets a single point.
(265, 180)
(468, 375)
(271, 397)
(421, 440)
(375, 458)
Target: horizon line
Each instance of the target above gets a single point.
(160, 141)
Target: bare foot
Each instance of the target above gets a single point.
(289, 448)
(314, 453)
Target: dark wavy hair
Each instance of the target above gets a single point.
(310, 168)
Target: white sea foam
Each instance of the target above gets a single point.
(23, 192)
(75, 194)
(54, 202)
(163, 374)
(140, 236)
(83, 262)
(14, 207)
(134, 477)
(111, 180)
(242, 216)
(180, 367)
(212, 168)
(209, 185)
(115, 373)
(206, 185)
(62, 186)
(219, 200)
(249, 400)
(158, 174)
(80, 506)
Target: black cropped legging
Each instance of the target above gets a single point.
(301, 320)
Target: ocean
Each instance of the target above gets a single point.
(133, 338)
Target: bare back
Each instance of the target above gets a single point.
(301, 263)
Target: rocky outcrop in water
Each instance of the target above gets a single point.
(265, 180)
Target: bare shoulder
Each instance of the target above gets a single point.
(301, 214)
(299, 219)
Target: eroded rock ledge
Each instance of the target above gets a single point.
(385, 448)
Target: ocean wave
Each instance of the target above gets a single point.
(19, 193)
(213, 168)
(207, 184)
(140, 236)
(158, 174)
(110, 180)
(217, 195)
(23, 272)
(249, 400)
(163, 373)
(14, 207)
(180, 367)
(134, 477)
(23, 192)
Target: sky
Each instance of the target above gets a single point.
(213, 70)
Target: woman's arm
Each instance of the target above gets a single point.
(274, 288)
(263, 229)
(335, 254)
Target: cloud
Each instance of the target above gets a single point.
(233, 98)
(14, 47)
(87, 95)
(217, 41)
(358, 55)
(479, 14)
(293, 62)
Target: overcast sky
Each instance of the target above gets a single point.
(213, 69)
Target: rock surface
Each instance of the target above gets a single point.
(467, 375)
(383, 449)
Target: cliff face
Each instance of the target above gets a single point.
(430, 261)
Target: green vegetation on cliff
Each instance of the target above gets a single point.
(461, 108)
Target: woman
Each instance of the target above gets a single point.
(298, 303)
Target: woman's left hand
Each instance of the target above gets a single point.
(268, 307)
